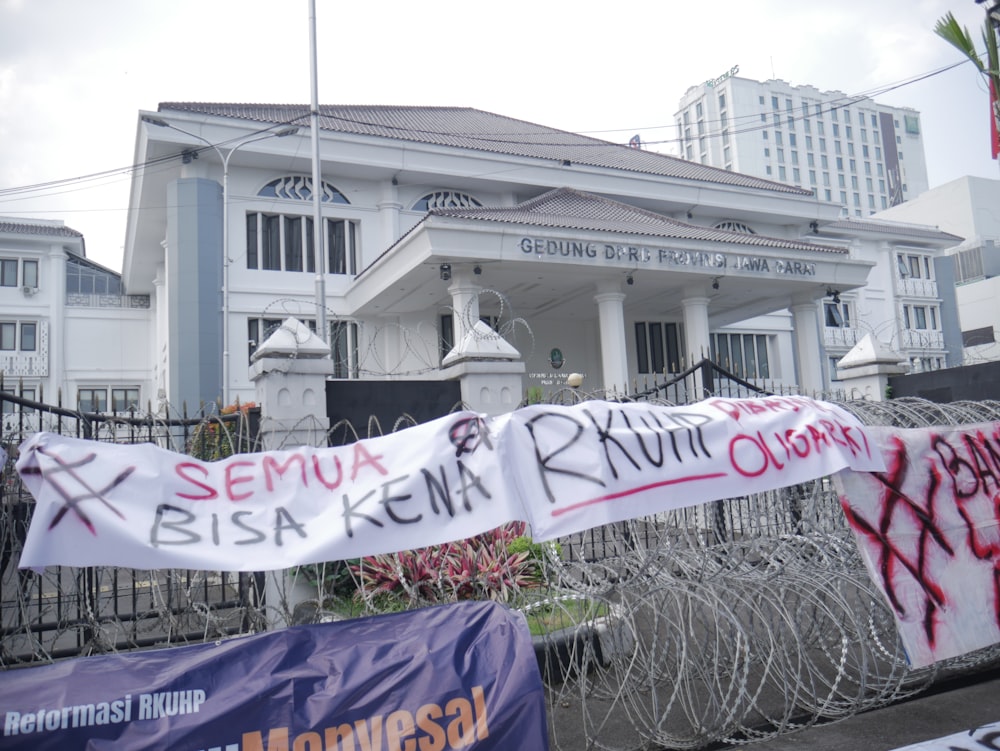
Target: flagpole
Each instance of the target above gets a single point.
(317, 188)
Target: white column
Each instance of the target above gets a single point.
(160, 345)
(55, 377)
(696, 337)
(614, 358)
(388, 210)
(464, 303)
(809, 360)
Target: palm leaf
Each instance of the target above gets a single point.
(959, 37)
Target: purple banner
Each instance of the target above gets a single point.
(448, 677)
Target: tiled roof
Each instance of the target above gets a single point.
(467, 128)
(573, 209)
(15, 227)
(888, 227)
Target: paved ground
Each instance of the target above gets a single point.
(953, 708)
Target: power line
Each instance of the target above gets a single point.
(80, 181)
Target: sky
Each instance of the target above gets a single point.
(74, 75)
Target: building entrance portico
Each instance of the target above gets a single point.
(580, 281)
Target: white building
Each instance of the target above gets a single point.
(610, 261)
(68, 333)
(851, 151)
(968, 207)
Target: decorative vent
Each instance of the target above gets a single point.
(300, 189)
(731, 226)
(446, 199)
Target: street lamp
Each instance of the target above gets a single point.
(224, 158)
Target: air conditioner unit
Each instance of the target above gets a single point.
(29, 291)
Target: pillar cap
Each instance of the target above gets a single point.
(481, 343)
(292, 339)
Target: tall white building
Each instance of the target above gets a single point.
(851, 151)
(967, 207)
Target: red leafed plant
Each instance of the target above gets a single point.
(481, 567)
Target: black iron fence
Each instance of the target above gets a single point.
(66, 611)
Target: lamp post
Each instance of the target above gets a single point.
(224, 157)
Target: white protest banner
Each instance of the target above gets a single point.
(982, 738)
(600, 462)
(561, 469)
(141, 506)
(929, 532)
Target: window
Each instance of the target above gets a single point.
(30, 273)
(792, 139)
(8, 272)
(450, 199)
(788, 104)
(824, 162)
(9, 341)
(344, 349)
(822, 144)
(8, 336)
(446, 335)
(777, 138)
(834, 374)
(745, 355)
(124, 399)
(841, 181)
(29, 337)
(782, 173)
(848, 132)
(276, 242)
(850, 149)
(657, 347)
(914, 266)
(774, 102)
(767, 152)
(699, 110)
(837, 315)
(781, 155)
(92, 399)
(9, 407)
(836, 130)
(809, 142)
(85, 278)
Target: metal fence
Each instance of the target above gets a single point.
(64, 611)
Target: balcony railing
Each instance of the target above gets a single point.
(841, 337)
(24, 364)
(922, 339)
(918, 288)
(78, 300)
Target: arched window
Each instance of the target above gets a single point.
(300, 189)
(446, 199)
(731, 226)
